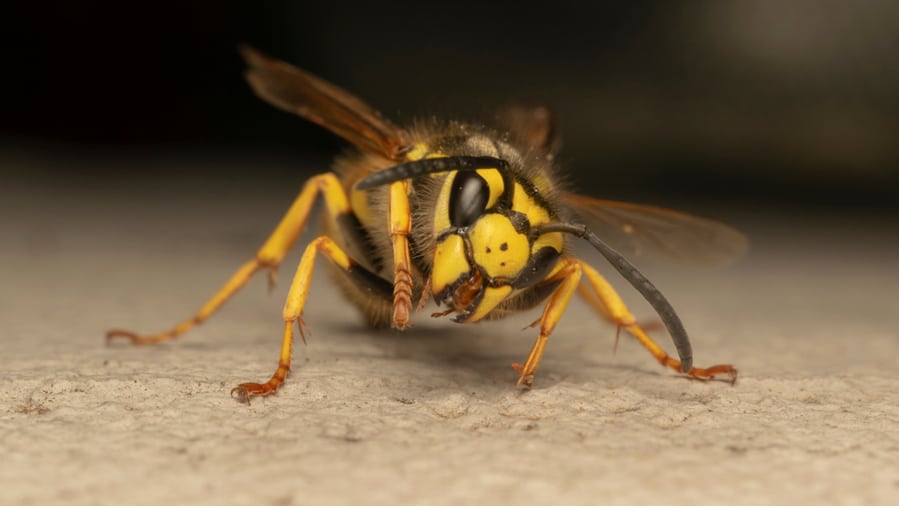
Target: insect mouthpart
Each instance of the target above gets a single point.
(462, 296)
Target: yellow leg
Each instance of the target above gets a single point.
(293, 313)
(268, 257)
(400, 225)
(609, 305)
(590, 297)
(552, 313)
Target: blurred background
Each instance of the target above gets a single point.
(764, 105)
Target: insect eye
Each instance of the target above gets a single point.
(468, 198)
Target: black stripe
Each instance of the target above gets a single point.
(539, 265)
(359, 240)
(370, 282)
(409, 170)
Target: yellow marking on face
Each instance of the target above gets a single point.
(498, 248)
(523, 203)
(553, 240)
(449, 263)
(494, 183)
(492, 297)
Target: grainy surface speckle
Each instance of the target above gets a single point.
(429, 416)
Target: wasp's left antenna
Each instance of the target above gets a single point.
(637, 280)
(426, 166)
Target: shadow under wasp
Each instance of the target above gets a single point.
(471, 215)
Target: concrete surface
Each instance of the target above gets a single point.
(431, 416)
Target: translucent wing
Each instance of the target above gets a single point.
(321, 102)
(534, 125)
(659, 234)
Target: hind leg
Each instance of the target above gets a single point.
(268, 257)
(600, 294)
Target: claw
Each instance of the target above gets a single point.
(524, 379)
(243, 396)
(245, 391)
(711, 373)
(118, 333)
(140, 340)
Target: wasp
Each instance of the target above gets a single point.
(473, 216)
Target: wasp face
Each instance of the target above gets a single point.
(483, 246)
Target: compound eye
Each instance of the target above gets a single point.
(468, 198)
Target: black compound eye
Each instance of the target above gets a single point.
(468, 198)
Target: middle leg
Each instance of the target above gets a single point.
(296, 301)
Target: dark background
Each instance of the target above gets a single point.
(760, 104)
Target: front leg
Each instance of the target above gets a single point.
(400, 217)
(570, 275)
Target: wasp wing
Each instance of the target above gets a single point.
(659, 234)
(534, 125)
(296, 91)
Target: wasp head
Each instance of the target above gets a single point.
(483, 246)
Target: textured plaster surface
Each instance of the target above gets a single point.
(429, 416)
